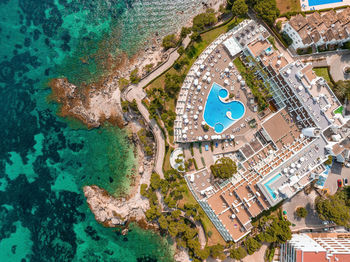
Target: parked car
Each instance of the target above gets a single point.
(325, 222)
(347, 164)
(345, 181)
(340, 183)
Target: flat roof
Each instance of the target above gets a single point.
(276, 126)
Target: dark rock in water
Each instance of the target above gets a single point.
(27, 42)
(37, 34)
(146, 259)
(13, 249)
(23, 29)
(109, 252)
(111, 180)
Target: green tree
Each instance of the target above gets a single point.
(134, 76)
(143, 190)
(163, 223)
(169, 41)
(301, 212)
(252, 245)
(267, 10)
(204, 20)
(216, 250)
(239, 8)
(238, 253)
(342, 90)
(123, 83)
(335, 208)
(155, 181)
(224, 168)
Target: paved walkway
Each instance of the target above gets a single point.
(302, 200)
(336, 60)
(136, 92)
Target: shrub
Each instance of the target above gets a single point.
(252, 245)
(238, 253)
(287, 39)
(224, 168)
(134, 77)
(169, 41)
(239, 8)
(204, 20)
(301, 212)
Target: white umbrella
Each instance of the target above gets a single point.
(200, 138)
(200, 108)
(279, 62)
(184, 136)
(198, 73)
(184, 131)
(285, 170)
(232, 136)
(301, 136)
(227, 70)
(300, 88)
(184, 116)
(213, 137)
(195, 117)
(196, 82)
(209, 80)
(207, 73)
(289, 71)
(230, 64)
(204, 78)
(292, 165)
(226, 82)
(203, 123)
(239, 77)
(199, 87)
(189, 106)
(298, 166)
(292, 171)
(302, 159)
(202, 67)
(218, 137)
(186, 121)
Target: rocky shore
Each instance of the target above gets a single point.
(113, 212)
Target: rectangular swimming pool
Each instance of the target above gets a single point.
(323, 2)
(268, 183)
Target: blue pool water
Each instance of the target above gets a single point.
(268, 50)
(267, 185)
(323, 2)
(215, 112)
(223, 93)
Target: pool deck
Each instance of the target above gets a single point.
(305, 5)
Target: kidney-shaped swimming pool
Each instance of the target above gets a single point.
(218, 114)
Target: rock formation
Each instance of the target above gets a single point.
(112, 212)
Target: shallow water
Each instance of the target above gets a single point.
(45, 160)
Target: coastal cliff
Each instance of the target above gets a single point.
(90, 104)
(112, 212)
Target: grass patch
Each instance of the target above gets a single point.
(339, 110)
(166, 164)
(288, 6)
(324, 72)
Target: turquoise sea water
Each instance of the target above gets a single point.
(44, 161)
